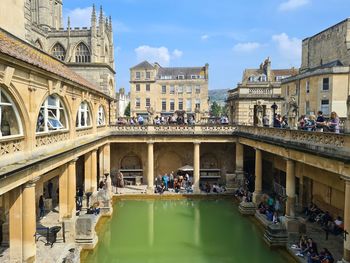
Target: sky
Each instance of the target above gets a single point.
(230, 35)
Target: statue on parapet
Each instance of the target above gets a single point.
(259, 113)
(292, 113)
(151, 112)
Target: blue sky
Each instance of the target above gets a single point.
(230, 35)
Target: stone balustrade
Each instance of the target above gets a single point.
(50, 138)
(173, 130)
(11, 145)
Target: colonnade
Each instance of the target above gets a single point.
(150, 166)
(21, 202)
(291, 195)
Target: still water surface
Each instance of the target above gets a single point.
(182, 231)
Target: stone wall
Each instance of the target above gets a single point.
(327, 46)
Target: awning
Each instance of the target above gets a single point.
(186, 168)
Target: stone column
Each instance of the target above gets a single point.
(87, 175)
(72, 188)
(196, 167)
(107, 165)
(5, 226)
(290, 189)
(101, 161)
(150, 167)
(258, 176)
(94, 170)
(15, 218)
(346, 253)
(239, 164)
(28, 222)
(107, 158)
(63, 190)
(22, 223)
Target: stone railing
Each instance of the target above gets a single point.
(50, 138)
(11, 145)
(318, 142)
(173, 129)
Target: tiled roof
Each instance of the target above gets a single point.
(14, 47)
(187, 72)
(143, 65)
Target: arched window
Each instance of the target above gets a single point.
(82, 54)
(101, 116)
(52, 115)
(83, 116)
(59, 52)
(10, 123)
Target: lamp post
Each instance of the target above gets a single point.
(274, 107)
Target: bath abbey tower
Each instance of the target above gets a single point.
(89, 51)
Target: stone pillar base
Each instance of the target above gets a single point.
(257, 197)
(85, 231)
(150, 190)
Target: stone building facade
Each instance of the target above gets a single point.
(323, 81)
(262, 86)
(88, 51)
(166, 90)
(123, 99)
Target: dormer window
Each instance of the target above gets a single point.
(251, 79)
(262, 78)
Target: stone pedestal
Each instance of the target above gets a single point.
(85, 231)
(276, 235)
(69, 229)
(292, 225)
(247, 208)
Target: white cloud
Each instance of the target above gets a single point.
(204, 37)
(289, 48)
(157, 54)
(290, 5)
(246, 47)
(177, 53)
(79, 17)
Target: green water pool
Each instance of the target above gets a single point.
(182, 231)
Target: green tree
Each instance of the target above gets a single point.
(215, 109)
(127, 110)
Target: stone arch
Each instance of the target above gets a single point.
(57, 50)
(21, 112)
(130, 161)
(168, 161)
(82, 53)
(209, 161)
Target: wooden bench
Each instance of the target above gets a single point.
(321, 204)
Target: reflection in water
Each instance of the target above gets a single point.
(180, 232)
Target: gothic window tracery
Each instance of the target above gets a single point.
(82, 54)
(59, 52)
(10, 123)
(83, 116)
(52, 115)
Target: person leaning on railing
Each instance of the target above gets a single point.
(333, 123)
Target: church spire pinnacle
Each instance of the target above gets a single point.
(110, 23)
(93, 15)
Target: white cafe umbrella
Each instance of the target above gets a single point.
(186, 168)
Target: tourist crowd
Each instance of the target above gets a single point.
(306, 246)
(308, 123)
(271, 207)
